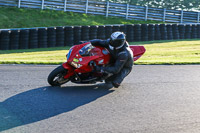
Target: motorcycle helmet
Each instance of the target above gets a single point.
(117, 40)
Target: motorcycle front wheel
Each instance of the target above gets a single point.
(56, 77)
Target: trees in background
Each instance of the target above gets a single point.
(169, 4)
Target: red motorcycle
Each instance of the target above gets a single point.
(81, 60)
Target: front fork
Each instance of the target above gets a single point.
(70, 70)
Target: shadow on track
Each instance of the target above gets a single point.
(45, 102)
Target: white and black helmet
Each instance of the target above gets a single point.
(117, 39)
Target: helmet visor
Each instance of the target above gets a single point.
(117, 43)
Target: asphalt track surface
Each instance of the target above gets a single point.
(152, 99)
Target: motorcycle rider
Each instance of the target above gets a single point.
(121, 57)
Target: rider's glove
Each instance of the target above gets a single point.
(81, 42)
(99, 69)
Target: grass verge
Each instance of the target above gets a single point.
(27, 18)
(157, 52)
(171, 52)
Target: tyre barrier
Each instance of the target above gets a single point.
(157, 32)
(23, 39)
(115, 28)
(51, 37)
(181, 29)
(169, 32)
(188, 31)
(60, 40)
(4, 39)
(129, 33)
(144, 32)
(198, 31)
(101, 32)
(108, 31)
(163, 31)
(77, 34)
(151, 33)
(33, 38)
(93, 32)
(70, 35)
(122, 28)
(194, 31)
(85, 33)
(14, 39)
(137, 32)
(42, 37)
(175, 31)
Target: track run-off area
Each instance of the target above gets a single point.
(151, 99)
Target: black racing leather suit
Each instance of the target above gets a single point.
(121, 60)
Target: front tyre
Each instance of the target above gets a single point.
(56, 77)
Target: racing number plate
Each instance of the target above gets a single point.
(75, 60)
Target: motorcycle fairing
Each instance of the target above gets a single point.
(70, 70)
(81, 55)
(138, 51)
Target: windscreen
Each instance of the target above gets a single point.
(85, 51)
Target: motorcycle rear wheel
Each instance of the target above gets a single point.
(56, 77)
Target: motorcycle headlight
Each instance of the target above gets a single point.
(76, 65)
(79, 65)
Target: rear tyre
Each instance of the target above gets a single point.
(56, 77)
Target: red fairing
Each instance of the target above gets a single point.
(138, 51)
(70, 70)
(81, 55)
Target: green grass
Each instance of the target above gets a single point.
(55, 55)
(171, 52)
(157, 52)
(26, 18)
